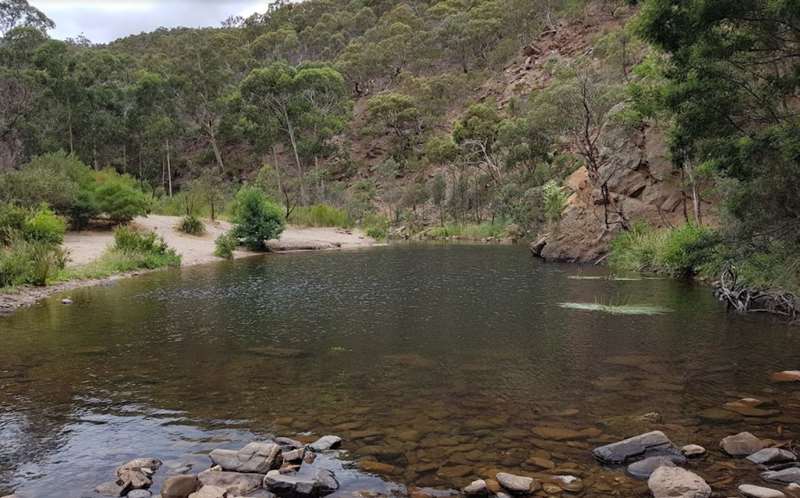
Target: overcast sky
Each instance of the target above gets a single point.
(105, 20)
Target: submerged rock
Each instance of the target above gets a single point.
(210, 492)
(569, 483)
(785, 476)
(326, 481)
(476, 488)
(772, 455)
(741, 445)
(752, 407)
(644, 468)
(675, 482)
(638, 446)
(760, 492)
(179, 486)
(786, 376)
(257, 458)
(111, 488)
(139, 493)
(326, 443)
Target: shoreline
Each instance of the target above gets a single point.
(85, 247)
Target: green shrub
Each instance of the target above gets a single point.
(119, 197)
(555, 200)
(225, 245)
(678, 252)
(142, 250)
(192, 225)
(255, 218)
(12, 221)
(320, 215)
(44, 226)
(30, 262)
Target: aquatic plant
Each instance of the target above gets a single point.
(614, 309)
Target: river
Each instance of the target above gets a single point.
(425, 357)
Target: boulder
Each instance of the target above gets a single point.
(517, 484)
(233, 482)
(325, 443)
(137, 474)
(139, 493)
(675, 482)
(769, 456)
(179, 486)
(693, 451)
(785, 476)
(258, 458)
(326, 481)
(741, 445)
(644, 468)
(295, 455)
(290, 484)
(476, 488)
(210, 492)
(760, 492)
(112, 488)
(651, 443)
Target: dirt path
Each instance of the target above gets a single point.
(85, 247)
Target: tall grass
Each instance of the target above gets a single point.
(320, 215)
(468, 231)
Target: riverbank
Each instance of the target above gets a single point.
(88, 246)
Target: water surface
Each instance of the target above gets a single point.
(444, 361)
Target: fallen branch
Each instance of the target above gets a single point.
(746, 300)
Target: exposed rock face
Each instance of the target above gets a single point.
(179, 486)
(741, 445)
(675, 482)
(233, 482)
(643, 186)
(651, 443)
(257, 458)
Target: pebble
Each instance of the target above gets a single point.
(476, 488)
(517, 484)
(760, 492)
(693, 451)
(66, 301)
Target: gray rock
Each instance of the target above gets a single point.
(693, 451)
(760, 492)
(137, 473)
(785, 476)
(294, 455)
(139, 493)
(325, 443)
(179, 486)
(741, 445)
(233, 482)
(112, 488)
(650, 443)
(257, 458)
(772, 455)
(326, 481)
(210, 492)
(517, 484)
(287, 442)
(675, 482)
(476, 488)
(289, 484)
(66, 301)
(644, 468)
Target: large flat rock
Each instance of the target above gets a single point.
(648, 444)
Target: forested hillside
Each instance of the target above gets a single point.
(574, 120)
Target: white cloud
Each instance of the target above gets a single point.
(106, 20)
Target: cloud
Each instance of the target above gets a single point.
(103, 21)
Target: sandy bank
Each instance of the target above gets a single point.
(85, 247)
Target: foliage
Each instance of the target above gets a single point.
(320, 215)
(30, 240)
(678, 252)
(256, 219)
(118, 197)
(225, 245)
(45, 227)
(142, 250)
(555, 201)
(191, 225)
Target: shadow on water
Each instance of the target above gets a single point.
(424, 357)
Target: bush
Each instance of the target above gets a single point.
(192, 225)
(376, 226)
(44, 226)
(12, 221)
(119, 198)
(678, 252)
(320, 215)
(143, 250)
(255, 218)
(30, 262)
(225, 245)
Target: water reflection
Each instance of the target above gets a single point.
(465, 346)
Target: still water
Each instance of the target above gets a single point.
(444, 361)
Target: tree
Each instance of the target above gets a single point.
(255, 218)
(14, 13)
(397, 115)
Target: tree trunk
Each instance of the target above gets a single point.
(292, 139)
(69, 128)
(169, 170)
(698, 217)
(212, 137)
